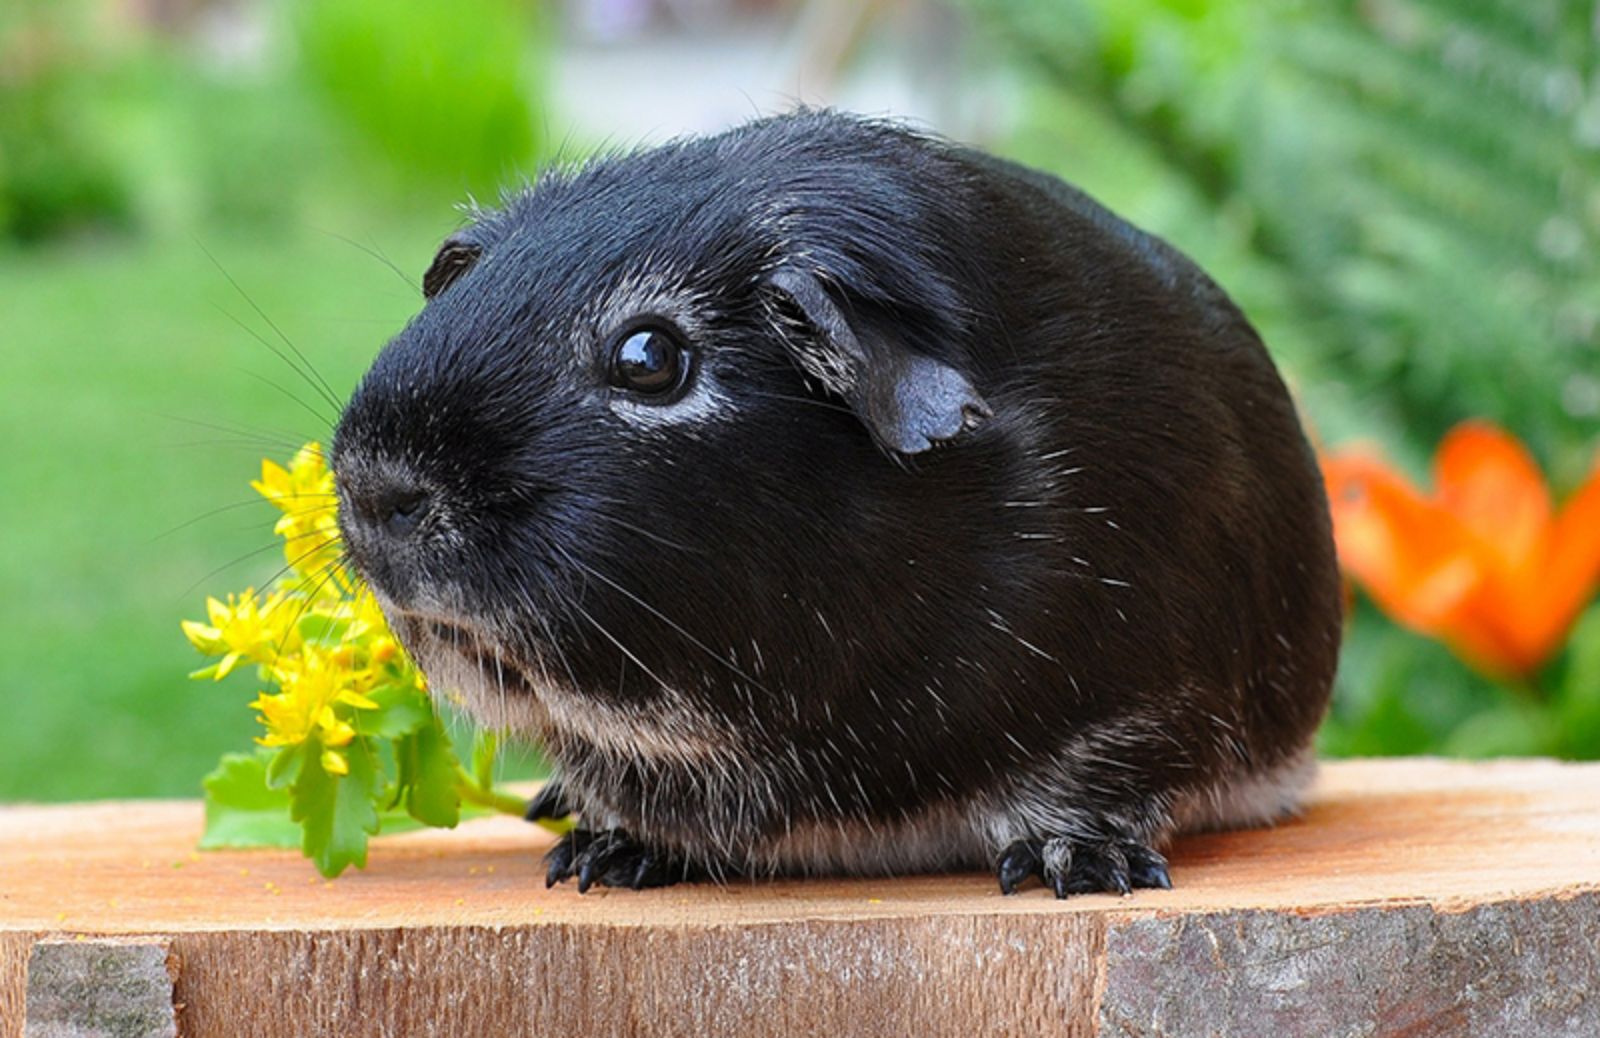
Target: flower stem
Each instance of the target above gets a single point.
(483, 755)
(473, 793)
(486, 796)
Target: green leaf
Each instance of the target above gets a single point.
(242, 810)
(402, 709)
(428, 777)
(337, 813)
(284, 767)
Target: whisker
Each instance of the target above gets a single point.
(253, 446)
(258, 337)
(561, 653)
(234, 507)
(380, 257)
(314, 378)
(327, 572)
(276, 438)
(620, 647)
(500, 685)
(538, 660)
(339, 565)
(313, 412)
(478, 652)
(229, 565)
(547, 631)
(811, 401)
(697, 643)
(285, 568)
(618, 521)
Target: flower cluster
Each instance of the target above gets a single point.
(351, 739)
(317, 636)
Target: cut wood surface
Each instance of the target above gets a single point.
(1413, 897)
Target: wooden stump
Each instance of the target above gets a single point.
(1413, 898)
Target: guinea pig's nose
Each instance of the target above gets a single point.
(392, 508)
(399, 510)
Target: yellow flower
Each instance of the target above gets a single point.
(304, 493)
(312, 684)
(366, 617)
(243, 628)
(333, 731)
(366, 652)
(305, 483)
(376, 657)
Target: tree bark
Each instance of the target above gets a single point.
(1413, 897)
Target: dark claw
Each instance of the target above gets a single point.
(1099, 868)
(549, 802)
(646, 863)
(592, 859)
(1070, 866)
(1017, 863)
(561, 856)
(610, 858)
(656, 870)
(619, 869)
(1147, 869)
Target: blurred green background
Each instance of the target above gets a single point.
(1404, 195)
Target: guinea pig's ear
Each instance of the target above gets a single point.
(454, 259)
(908, 400)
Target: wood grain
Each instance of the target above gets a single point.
(1413, 897)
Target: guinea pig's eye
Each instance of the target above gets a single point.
(649, 361)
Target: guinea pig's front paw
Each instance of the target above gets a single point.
(1072, 866)
(611, 858)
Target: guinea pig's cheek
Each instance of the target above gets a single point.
(706, 401)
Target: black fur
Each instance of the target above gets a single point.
(1028, 545)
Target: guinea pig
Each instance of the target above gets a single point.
(827, 497)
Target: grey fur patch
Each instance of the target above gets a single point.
(937, 838)
(1248, 800)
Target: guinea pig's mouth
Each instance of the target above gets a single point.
(472, 669)
(444, 644)
(470, 646)
(450, 633)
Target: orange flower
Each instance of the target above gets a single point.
(1484, 564)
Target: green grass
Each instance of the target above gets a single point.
(109, 351)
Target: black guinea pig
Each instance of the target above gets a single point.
(827, 497)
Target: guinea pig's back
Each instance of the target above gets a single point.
(1134, 358)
